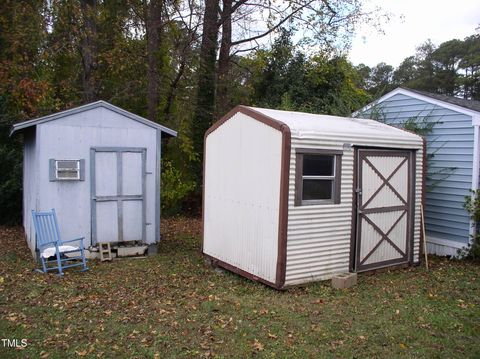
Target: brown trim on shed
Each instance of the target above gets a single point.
(283, 202)
(283, 215)
(361, 154)
(318, 151)
(232, 268)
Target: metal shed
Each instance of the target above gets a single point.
(454, 164)
(99, 167)
(293, 197)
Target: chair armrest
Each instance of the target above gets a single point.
(75, 240)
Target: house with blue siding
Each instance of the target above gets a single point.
(453, 168)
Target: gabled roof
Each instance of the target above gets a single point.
(468, 104)
(466, 107)
(22, 125)
(303, 124)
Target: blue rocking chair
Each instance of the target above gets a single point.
(50, 245)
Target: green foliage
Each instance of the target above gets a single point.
(451, 68)
(422, 125)
(10, 178)
(472, 205)
(174, 188)
(43, 70)
(286, 78)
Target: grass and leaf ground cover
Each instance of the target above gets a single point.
(174, 305)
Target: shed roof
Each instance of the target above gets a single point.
(302, 124)
(22, 125)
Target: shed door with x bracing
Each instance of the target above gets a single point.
(384, 208)
(118, 194)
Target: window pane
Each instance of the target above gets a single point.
(318, 165)
(315, 189)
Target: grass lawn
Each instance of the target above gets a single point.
(174, 305)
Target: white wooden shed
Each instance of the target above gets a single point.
(99, 167)
(293, 197)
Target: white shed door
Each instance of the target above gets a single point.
(384, 208)
(118, 194)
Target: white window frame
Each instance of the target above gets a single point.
(55, 170)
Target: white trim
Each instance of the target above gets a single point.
(475, 172)
(90, 106)
(476, 120)
(445, 242)
(400, 91)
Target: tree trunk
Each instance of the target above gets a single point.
(224, 59)
(88, 49)
(153, 24)
(204, 113)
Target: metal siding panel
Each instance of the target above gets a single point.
(73, 138)
(242, 191)
(318, 244)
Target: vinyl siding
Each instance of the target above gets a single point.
(451, 143)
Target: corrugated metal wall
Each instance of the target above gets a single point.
(242, 192)
(318, 243)
(451, 141)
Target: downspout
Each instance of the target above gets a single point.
(475, 166)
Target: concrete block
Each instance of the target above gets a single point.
(344, 280)
(131, 251)
(152, 249)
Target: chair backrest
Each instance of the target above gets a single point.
(46, 227)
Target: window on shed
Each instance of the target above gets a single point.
(318, 177)
(67, 170)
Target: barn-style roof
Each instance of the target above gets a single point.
(302, 124)
(22, 125)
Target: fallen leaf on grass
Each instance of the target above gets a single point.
(272, 336)
(257, 345)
